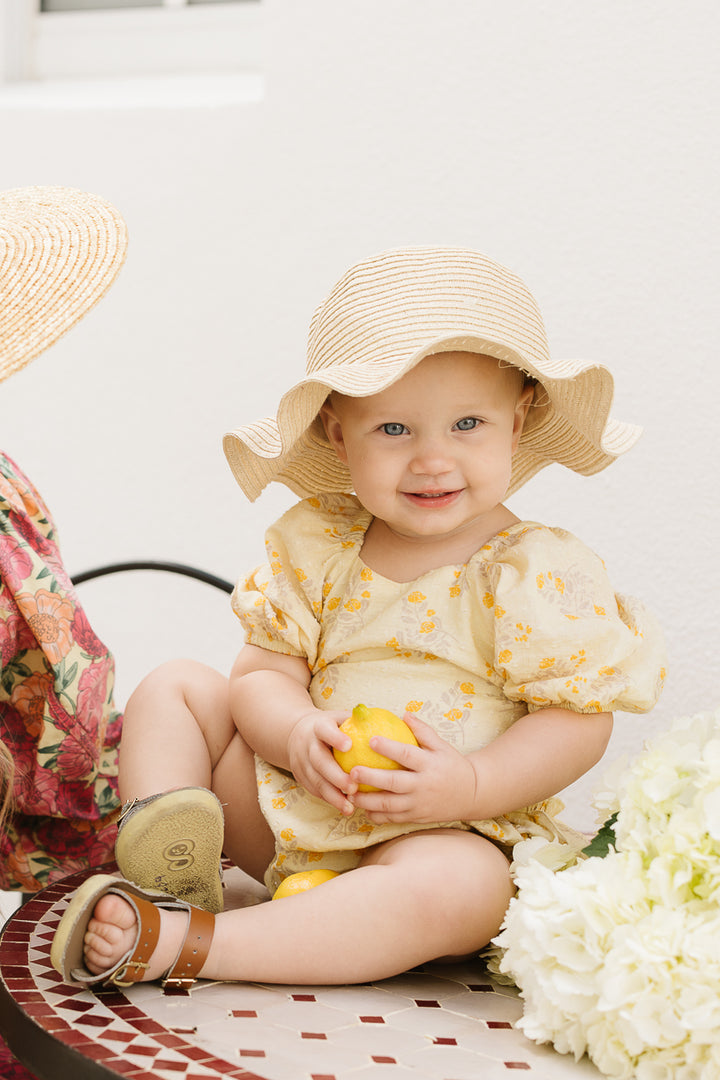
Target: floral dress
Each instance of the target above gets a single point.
(57, 715)
(530, 621)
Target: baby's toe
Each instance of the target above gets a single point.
(115, 911)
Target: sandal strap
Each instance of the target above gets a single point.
(191, 954)
(148, 918)
(193, 951)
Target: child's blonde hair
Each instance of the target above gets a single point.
(7, 774)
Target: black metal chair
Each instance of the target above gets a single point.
(149, 564)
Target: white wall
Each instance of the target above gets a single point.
(577, 143)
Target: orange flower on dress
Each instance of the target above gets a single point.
(50, 618)
(19, 870)
(29, 698)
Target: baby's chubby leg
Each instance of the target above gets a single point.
(420, 897)
(178, 732)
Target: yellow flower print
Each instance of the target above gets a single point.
(301, 575)
(327, 692)
(326, 589)
(455, 590)
(499, 612)
(352, 605)
(505, 656)
(467, 688)
(599, 610)
(489, 600)
(366, 594)
(540, 581)
(416, 597)
(413, 706)
(594, 705)
(525, 632)
(546, 663)
(315, 503)
(366, 573)
(560, 585)
(287, 834)
(453, 714)
(606, 671)
(427, 626)
(332, 604)
(279, 804)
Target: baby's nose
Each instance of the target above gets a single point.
(432, 459)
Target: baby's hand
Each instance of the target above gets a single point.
(436, 782)
(312, 763)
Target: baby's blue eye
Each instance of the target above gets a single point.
(394, 429)
(467, 423)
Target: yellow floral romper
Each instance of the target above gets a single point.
(529, 622)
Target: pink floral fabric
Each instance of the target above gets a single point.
(57, 715)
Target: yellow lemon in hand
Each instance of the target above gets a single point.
(306, 879)
(361, 726)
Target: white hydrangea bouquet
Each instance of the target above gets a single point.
(619, 956)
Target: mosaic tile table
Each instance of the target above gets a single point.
(441, 1023)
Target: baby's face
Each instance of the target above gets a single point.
(432, 454)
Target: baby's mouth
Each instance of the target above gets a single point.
(431, 497)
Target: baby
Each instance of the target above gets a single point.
(403, 580)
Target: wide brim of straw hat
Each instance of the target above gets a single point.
(383, 317)
(60, 249)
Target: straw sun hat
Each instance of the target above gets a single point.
(60, 249)
(389, 312)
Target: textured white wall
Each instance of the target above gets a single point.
(577, 143)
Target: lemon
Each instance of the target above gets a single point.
(361, 726)
(306, 879)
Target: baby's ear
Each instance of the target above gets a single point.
(333, 430)
(521, 410)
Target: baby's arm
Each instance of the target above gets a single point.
(539, 755)
(275, 715)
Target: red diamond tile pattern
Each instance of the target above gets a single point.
(442, 1022)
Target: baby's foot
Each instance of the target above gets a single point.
(112, 931)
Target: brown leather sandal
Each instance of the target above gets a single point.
(67, 948)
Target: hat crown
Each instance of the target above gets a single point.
(60, 249)
(406, 299)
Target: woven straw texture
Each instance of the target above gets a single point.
(384, 316)
(60, 249)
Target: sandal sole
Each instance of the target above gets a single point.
(174, 844)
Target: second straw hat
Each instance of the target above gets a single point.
(60, 249)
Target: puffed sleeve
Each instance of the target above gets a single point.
(563, 636)
(280, 603)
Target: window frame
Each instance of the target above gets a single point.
(128, 42)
